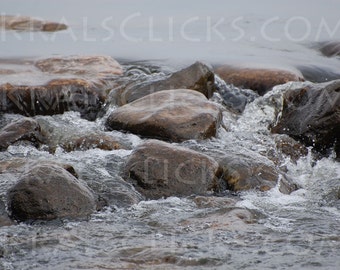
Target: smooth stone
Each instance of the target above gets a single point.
(25, 129)
(260, 80)
(47, 192)
(198, 77)
(173, 115)
(158, 169)
(330, 49)
(24, 23)
(310, 115)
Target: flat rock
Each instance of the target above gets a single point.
(55, 85)
(25, 129)
(158, 169)
(260, 80)
(173, 115)
(310, 114)
(198, 77)
(48, 192)
(25, 23)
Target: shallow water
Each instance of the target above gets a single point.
(250, 230)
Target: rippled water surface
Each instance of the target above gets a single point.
(250, 230)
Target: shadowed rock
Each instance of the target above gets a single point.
(257, 79)
(25, 129)
(310, 114)
(330, 49)
(198, 77)
(24, 23)
(158, 169)
(174, 115)
(47, 192)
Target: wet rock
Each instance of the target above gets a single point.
(56, 85)
(158, 169)
(198, 77)
(310, 114)
(25, 129)
(330, 49)
(242, 172)
(290, 147)
(319, 73)
(48, 192)
(174, 115)
(90, 141)
(24, 23)
(257, 79)
(4, 218)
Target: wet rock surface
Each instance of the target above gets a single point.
(25, 23)
(257, 79)
(23, 130)
(173, 115)
(198, 77)
(158, 169)
(48, 192)
(56, 85)
(310, 114)
(330, 49)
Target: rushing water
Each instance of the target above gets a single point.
(250, 230)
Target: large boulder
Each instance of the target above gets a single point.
(174, 115)
(56, 85)
(47, 192)
(310, 114)
(26, 129)
(24, 23)
(198, 77)
(158, 169)
(260, 80)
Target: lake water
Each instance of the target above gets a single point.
(253, 230)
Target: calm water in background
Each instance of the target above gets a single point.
(297, 231)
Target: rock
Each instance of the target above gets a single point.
(4, 219)
(25, 129)
(290, 147)
(198, 77)
(90, 141)
(242, 172)
(174, 115)
(48, 192)
(310, 114)
(158, 169)
(319, 73)
(24, 23)
(330, 49)
(56, 85)
(258, 79)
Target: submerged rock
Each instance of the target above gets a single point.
(48, 192)
(61, 84)
(319, 73)
(24, 23)
(310, 114)
(26, 129)
(158, 169)
(174, 115)
(330, 49)
(198, 77)
(257, 79)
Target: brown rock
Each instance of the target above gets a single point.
(158, 169)
(257, 79)
(25, 129)
(24, 23)
(291, 148)
(48, 192)
(198, 77)
(174, 115)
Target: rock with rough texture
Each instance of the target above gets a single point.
(242, 172)
(258, 79)
(290, 147)
(174, 115)
(198, 77)
(310, 114)
(56, 85)
(25, 129)
(48, 192)
(24, 23)
(158, 169)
